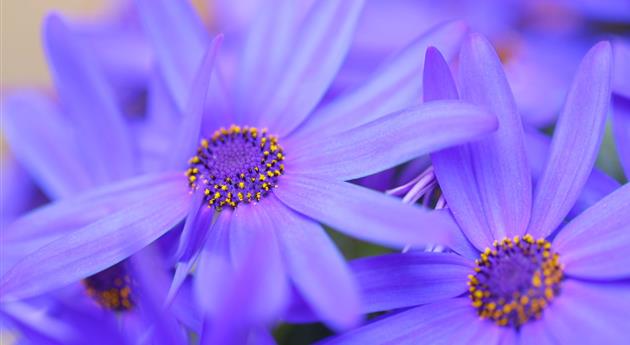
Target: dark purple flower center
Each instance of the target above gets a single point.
(237, 165)
(111, 288)
(515, 281)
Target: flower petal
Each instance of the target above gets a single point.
(96, 246)
(621, 129)
(187, 137)
(363, 213)
(395, 85)
(589, 313)
(487, 184)
(266, 46)
(597, 186)
(68, 215)
(252, 228)
(315, 266)
(405, 280)
(325, 37)
(89, 101)
(576, 142)
(179, 41)
(450, 322)
(41, 140)
(390, 140)
(595, 244)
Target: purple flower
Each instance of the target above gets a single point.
(565, 287)
(242, 181)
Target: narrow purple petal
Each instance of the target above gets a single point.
(596, 243)
(89, 101)
(41, 140)
(575, 143)
(315, 266)
(621, 129)
(187, 137)
(589, 313)
(179, 40)
(325, 37)
(404, 280)
(452, 321)
(495, 174)
(390, 140)
(214, 262)
(363, 213)
(535, 333)
(267, 46)
(249, 225)
(96, 246)
(597, 186)
(395, 85)
(68, 215)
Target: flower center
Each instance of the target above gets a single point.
(111, 288)
(237, 165)
(515, 281)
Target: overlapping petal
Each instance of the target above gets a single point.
(315, 266)
(89, 102)
(496, 171)
(595, 244)
(395, 85)
(325, 37)
(96, 246)
(363, 213)
(405, 280)
(390, 140)
(41, 140)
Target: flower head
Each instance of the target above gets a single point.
(229, 182)
(519, 275)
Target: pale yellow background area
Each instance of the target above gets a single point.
(22, 61)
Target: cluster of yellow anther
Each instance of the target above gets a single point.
(116, 298)
(238, 164)
(515, 281)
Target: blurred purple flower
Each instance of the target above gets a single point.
(278, 87)
(571, 278)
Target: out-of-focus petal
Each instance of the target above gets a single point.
(390, 140)
(89, 101)
(324, 37)
(41, 140)
(315, 266)
(404, 280)
(96, 246)
(575, 143)
(363, 213)
(267, 45)
(179, 40)
(396, 84)
(187, 137)
(596, 243)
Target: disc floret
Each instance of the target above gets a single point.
(236, 165)
(515, 280)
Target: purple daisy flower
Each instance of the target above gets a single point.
(244, 180)
(565, 287)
